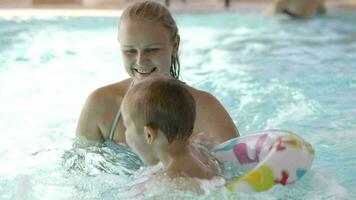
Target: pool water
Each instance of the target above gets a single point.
(267, 72)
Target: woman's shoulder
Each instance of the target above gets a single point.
(109, 94)
(201, 96)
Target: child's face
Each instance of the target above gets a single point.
(146, 48)
(135, 136)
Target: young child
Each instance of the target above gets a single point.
(159, 115)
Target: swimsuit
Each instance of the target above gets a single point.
(117, 119)
(290, 14)
(297, 16)
(114, 124)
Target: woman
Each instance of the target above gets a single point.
(149, 41)
(301, 9)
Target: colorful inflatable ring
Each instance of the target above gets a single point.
(267, 158)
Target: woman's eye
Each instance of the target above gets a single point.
(151, 50)
(130, 51)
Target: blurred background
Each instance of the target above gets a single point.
(175, 5)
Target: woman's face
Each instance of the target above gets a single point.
(146, 48)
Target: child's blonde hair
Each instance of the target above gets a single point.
(163, 103)
(150, 11)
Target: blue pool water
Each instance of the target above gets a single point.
(267, 72)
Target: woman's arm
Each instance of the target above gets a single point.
(88, 131)
(321, 8)
(276, 7)
(311, 8)
(214, 119)
(221, 125)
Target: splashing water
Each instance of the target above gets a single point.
(267, 72)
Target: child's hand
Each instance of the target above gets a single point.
(204, 139)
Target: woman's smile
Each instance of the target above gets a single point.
(143, 72)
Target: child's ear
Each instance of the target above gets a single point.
(150, 134)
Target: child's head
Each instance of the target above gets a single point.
(157, 112)
(149, 40)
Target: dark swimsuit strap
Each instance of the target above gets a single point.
(290, 14)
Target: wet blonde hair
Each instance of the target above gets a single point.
(150, 11)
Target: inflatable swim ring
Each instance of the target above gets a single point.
(268, 158)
